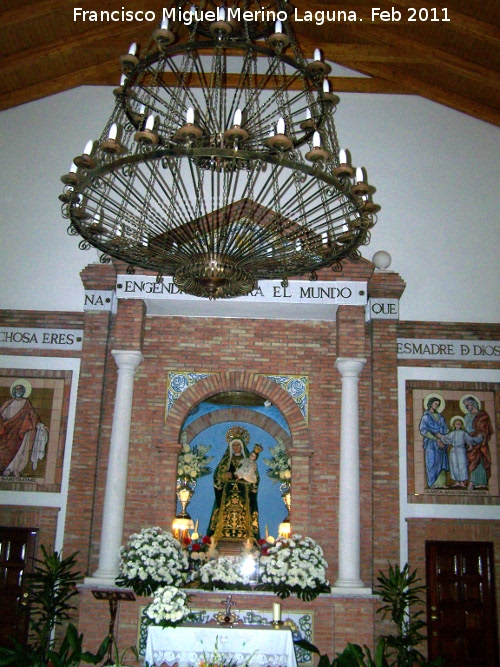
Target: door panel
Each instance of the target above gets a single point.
(461, 610)
(17, 551)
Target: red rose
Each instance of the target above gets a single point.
(206, 540)
(187, 541)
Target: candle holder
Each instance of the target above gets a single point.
(277, 624)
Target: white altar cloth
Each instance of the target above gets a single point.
(189, 644)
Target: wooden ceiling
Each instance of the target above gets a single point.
(455, 63)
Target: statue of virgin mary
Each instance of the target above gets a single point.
(235, 514)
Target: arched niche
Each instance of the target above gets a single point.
(208, 423)
(246, 381)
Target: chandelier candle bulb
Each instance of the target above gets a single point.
(73, 169)
(317, 140)
(88, 147)
(221, 14)
(359, 175)
(150, 123)
(342, 156)
(317, 55)
(326, 86)
(280, 126)
(237, 118)
(278, 26)
(190, 116)
(164, 24)
(113, 132)
(132, 51)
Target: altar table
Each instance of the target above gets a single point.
(189, 644)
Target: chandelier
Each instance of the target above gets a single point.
(220, 163)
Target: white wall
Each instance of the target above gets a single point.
(436, 173)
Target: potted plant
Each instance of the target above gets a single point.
(400, 590)
(50, 589)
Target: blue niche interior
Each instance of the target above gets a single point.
(272, 509)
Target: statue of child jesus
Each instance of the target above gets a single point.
(248, 468)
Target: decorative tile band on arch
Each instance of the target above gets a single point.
(297, 386)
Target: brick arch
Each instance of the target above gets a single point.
(237, 414)
(239, 381)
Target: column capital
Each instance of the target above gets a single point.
(127, 358)
(350, 366)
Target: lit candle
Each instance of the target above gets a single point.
(237, 117)
(278, 26)
(150, 123)
(317, 54)
(132, 49)
(190, 116)
(88, 147)
(359, 175)
(342, 156)
(280, 127)
(316, 140)
(113, 132)
(276, 611)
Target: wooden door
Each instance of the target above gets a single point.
(461, 613)
(17, 551)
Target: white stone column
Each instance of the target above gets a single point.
(116, 478)
(349, 503)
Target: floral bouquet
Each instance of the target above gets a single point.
(193, 462)
(225, 572)
(169, 607)
(150, 559)
(278, 466)
(294, 565)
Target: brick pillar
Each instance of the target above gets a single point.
(88, 420)
(389, 286)
(301, 488)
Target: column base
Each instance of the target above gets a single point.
(347, 589)
(101, 581)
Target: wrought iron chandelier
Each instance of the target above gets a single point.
(220, 163)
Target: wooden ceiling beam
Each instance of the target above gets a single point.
(58, 85)
(437, 94)
(65, 47)
(459, 21)
(435, 56)
(29, 12)
(466, 23)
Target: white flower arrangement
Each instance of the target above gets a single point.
(279, 465)
(225, 572)
(193, 462)
(294, 565)
(169, 607)
(150, 559)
